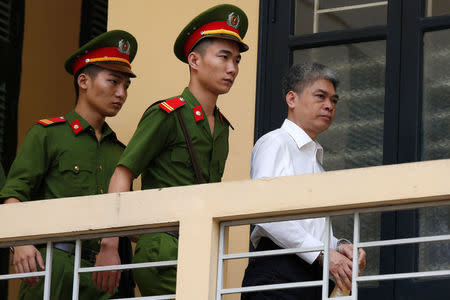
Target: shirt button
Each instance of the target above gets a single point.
(76, 169)
(198, 113)
(76, 126)
(100, 168)
(101, 191)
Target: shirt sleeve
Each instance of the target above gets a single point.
(28, 168)
(149, 139)
(291, 234)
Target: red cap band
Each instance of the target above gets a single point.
(197, 34)
(107, 54)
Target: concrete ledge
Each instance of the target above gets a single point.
(313, 193)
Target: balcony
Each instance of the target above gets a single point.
(202, 213)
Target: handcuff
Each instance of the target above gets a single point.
(340, 242)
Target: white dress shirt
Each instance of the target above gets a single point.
(283, 152)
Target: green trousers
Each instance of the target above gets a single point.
(151, 248)
(62, 281)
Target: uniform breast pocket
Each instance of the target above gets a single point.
(76, 173)
(180, 156)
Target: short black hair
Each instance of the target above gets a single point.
(91, 70)
(201, 46)
(302, 75)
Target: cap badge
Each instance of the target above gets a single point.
(124, 46)
(233, 20)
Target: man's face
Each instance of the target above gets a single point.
(107, 92)
(313, 110)
(219, 66)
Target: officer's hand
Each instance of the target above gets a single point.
(341, 269)
(25, 259)
(347, 250)
(109, 255)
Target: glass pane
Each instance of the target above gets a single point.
(436, 96)
(332, 15)
(355, 139)
(438, 7)
(434, 256)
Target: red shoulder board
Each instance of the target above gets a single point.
(51, 121)
(172, 104)
(222, 118)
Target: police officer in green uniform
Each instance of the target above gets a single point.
(74, 155)
(211, 45)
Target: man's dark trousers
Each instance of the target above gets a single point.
(281, 269)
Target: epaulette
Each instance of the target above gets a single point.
(172, 104)
(47, 122)
(222, 118)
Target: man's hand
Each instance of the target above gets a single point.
(26, 259)
(347, 250)
(109, 255)
(341, 269)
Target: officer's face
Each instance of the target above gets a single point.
(219, 66)
(107, 92)
(313, 109)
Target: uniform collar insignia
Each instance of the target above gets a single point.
(198, 113)
(76, 126)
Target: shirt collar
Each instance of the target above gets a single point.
(302, 139)
(79, 124)
(195, 106)
(189, 98)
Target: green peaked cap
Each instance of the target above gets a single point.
(231, 14)
(122, 50)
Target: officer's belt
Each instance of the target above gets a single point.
(86, 253)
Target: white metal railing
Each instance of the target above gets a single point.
(318, 11)
(222, 257)
(77, 264)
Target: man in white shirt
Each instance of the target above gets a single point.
(310, 93)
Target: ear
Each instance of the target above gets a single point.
(83, 80)
(194, 60)
(290, 99)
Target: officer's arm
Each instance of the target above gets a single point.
(121, 180)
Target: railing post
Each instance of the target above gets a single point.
(76, 267)
(220, 274)
(48, 271)
(355, 256)
(326, 259)
(197, 258)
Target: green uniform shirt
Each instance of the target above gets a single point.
(63, 159)
(159, 151)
